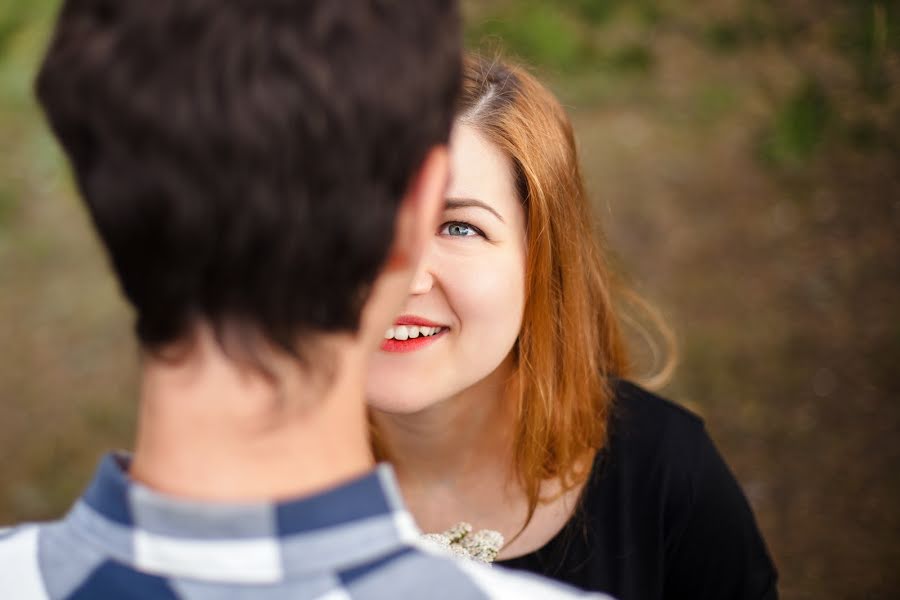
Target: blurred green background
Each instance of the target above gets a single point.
(744, 158)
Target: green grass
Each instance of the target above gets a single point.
(537, 33)
(799, 127)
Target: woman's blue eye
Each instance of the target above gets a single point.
(459, 230)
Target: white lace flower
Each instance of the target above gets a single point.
(482, 546)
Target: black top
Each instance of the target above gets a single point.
(660, 517)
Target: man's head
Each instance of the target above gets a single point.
(244, 160)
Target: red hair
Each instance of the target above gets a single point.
(570, 347)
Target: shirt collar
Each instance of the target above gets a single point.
(339, 528)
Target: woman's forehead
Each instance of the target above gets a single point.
(480, 170)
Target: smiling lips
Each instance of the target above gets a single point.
(411, 333)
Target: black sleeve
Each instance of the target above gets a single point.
(713, 546)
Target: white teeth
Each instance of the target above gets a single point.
(408, 332)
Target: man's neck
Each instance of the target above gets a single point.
(212, 429)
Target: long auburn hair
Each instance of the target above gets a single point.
(570, 347)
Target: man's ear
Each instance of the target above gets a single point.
(419, 210)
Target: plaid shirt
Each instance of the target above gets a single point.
(356, 541)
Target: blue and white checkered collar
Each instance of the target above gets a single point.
(250, 543)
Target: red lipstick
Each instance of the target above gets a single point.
(412, 344)
(414, 320)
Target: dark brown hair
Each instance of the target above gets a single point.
(243, 160)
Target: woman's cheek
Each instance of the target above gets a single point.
(490, 304)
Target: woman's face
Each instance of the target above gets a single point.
(470, 286)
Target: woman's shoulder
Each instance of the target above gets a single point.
(640, 419)
(656, 444)
(661, 469)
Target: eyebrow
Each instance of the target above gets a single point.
(451, 203)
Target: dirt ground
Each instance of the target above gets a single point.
(748, 183)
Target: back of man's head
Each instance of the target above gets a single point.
(243, 160)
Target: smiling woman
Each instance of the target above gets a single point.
(470, 286)
(513, 411)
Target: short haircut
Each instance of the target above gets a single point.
(243, 160)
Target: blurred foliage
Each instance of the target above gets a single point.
(744, 157)
(580, 46)
(7, 205)
(799, 126)
(22, 30)
(560, 35)
(538, 32)
(13, 17)
(871, 32)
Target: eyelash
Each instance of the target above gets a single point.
(449, 224)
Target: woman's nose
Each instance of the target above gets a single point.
(422, 281)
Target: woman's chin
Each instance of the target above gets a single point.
(401, 404)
